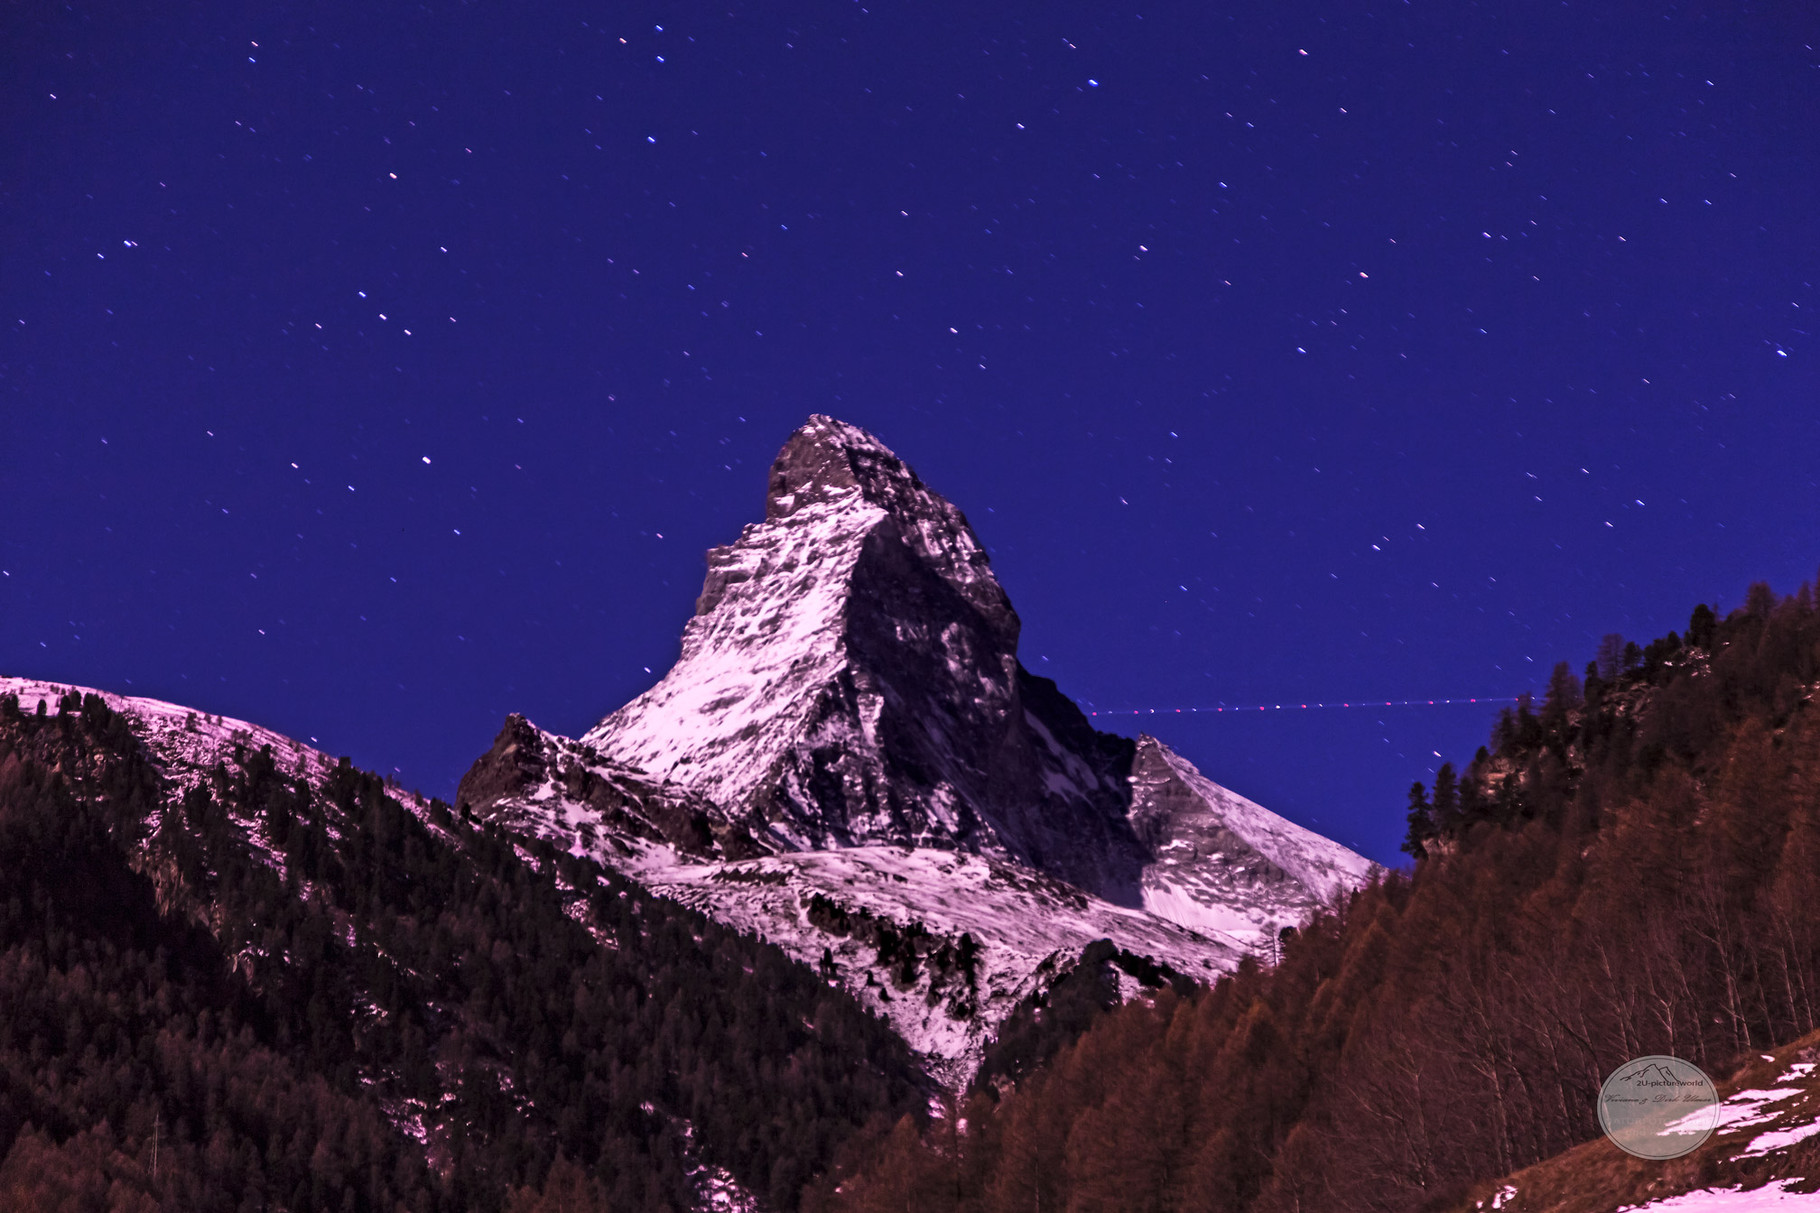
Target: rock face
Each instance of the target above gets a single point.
(540, 783)
(851, 677)
(1220, 863)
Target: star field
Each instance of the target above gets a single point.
(371, 372)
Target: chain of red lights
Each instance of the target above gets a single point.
(1296, 707)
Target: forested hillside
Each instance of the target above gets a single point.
(1628, 868)
(285, 992)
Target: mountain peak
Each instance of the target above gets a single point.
(847, 754)
(826, 459)
(851, 676)
(831, 462)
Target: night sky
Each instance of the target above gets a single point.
(373, 370)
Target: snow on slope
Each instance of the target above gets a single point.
(1025, 930)
(1755, 1152)
(850, 677)
(1777, 1117)
(770, 628)
(943, 944)
(186, 744)
(744, 688)
(1773, 1197)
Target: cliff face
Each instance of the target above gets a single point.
(1215, 861)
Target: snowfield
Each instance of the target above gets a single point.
(1028, 929)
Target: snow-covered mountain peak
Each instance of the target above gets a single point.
(850, 676)
(847, 755)
(831, 461)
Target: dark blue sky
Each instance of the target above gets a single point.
(371, 371)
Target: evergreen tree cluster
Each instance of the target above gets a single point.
(289, 990)
(1635, 709)
(1630, 869)
(1049, 1019)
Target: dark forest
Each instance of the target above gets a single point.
(405, 1014)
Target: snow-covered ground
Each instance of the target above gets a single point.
(1771, 1196)
(186, 744)
(1027, 928)
(1757, 1123)
(1790, 1111)
(716, 1190)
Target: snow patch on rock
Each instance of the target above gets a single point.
(1220, 862)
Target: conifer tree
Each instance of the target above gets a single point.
(1421, 820)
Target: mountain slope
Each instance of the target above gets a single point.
(472, 1004)
(1629, 869)
(889, 922)
(1220, 863)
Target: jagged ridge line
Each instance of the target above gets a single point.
(1283, 707)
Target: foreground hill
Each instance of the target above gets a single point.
(1764, 1155)
(237, 974)
(1629, 869)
